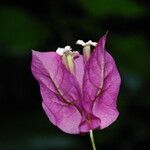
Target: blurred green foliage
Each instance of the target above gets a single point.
(134, 50)
(20, 32)
(126, 8)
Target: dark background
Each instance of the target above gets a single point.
(49, 24)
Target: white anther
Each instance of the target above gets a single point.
(80, 42)
(61, 51)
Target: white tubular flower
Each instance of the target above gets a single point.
(68, 57)
(80, 42)
(61, 51)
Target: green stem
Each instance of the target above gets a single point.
(92, 140)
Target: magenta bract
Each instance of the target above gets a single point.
(80, 102)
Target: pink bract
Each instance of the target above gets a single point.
(81, 102)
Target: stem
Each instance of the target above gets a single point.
(92, 140)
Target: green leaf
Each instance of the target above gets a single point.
(112, 7)
(20, 32)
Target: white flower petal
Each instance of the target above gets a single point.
(80, 42)
(67, 48)
(94, 43)
(60, 51)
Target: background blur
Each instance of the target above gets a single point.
(49, 24)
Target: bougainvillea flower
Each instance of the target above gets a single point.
(79, 92)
